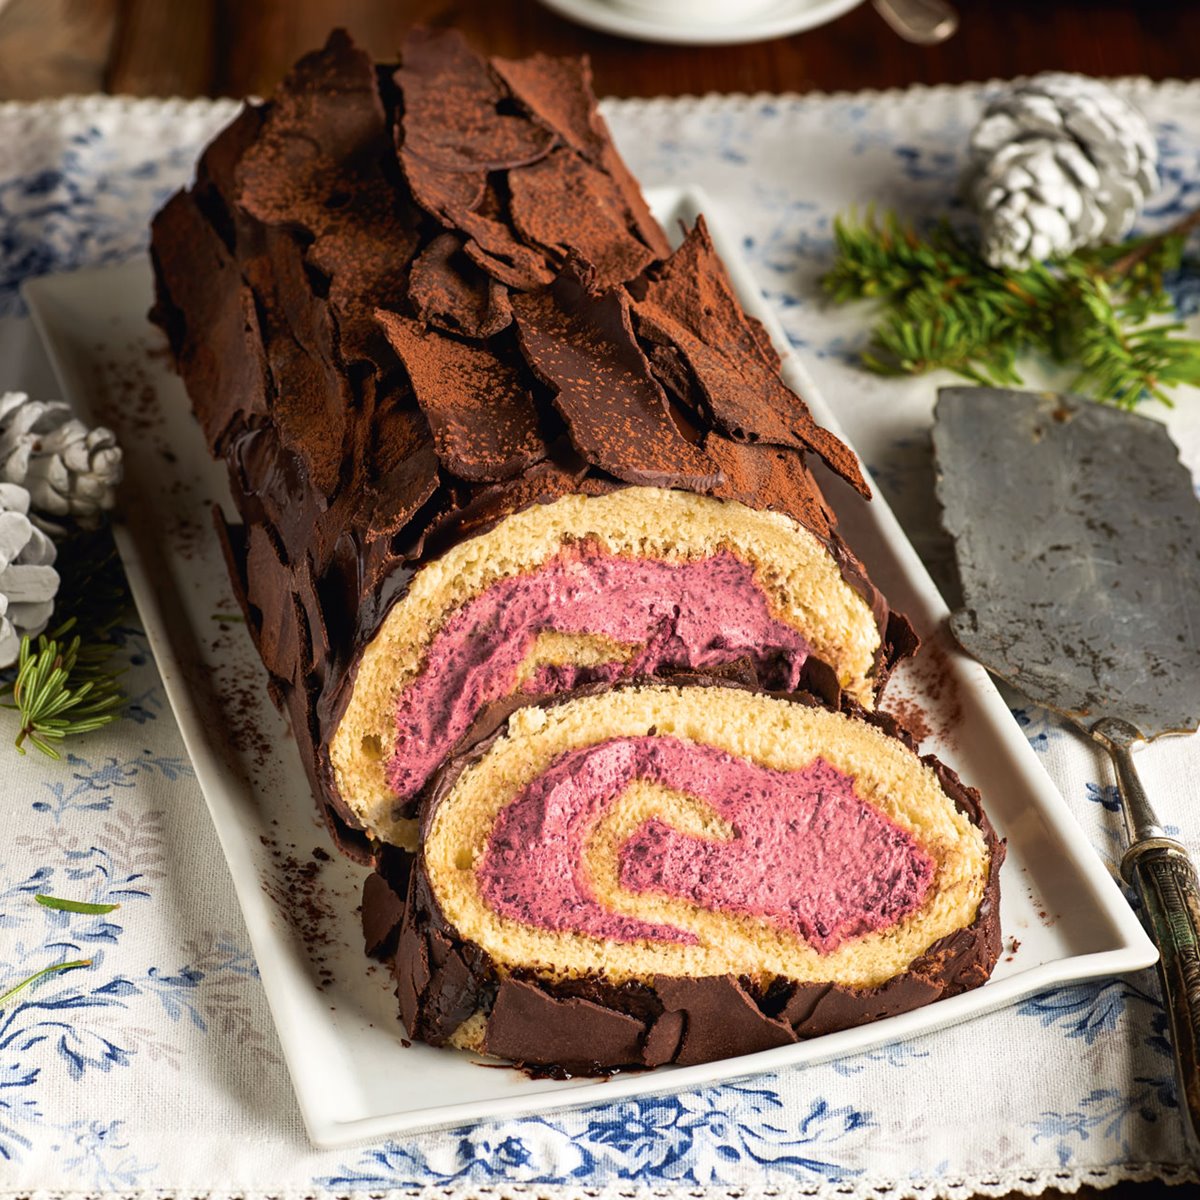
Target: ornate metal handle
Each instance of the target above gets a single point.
(1171, 898)
(1159, 867)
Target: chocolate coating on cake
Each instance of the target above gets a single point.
(449, 292)
(580, 342)
(483, 418)
(338, 288)
(570, 1025)
(689, 306)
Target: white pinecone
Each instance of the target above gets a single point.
(68, 469)
(28, 580)
(1057, 163)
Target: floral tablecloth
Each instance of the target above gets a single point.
(155, 1071)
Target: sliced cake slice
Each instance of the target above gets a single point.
(682, 871)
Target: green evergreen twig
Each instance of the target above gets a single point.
(59, 693)
(64, 683)
(942, 305)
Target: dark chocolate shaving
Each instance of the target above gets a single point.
(582, 345)
(567, 206)
(382, 914)
(484, 422)
(690, 304)
(321, 137)
(525, 1015)
(211, 319)
(450, 292)
(557, 92)
(721, 1019)
(452, 109)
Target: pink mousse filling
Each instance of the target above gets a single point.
(807, 854)
(691, 614)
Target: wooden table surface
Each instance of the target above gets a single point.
(242, 47)
(239, 47)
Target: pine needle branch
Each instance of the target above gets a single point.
(64, 683)
(943, 306)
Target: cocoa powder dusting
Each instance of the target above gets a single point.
(910, 714)
(241, 700)
(297, 889)
(923, 694)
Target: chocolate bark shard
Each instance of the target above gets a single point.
(323, 134)
(451, 134)
(566, 205)
(366, 256)
(412, 975)
(455, 986)
(445, 195)
(558, 94)
(232, 540)
(773, 477)
(663, 1039)
(723, 1019)
(317, 167)
(211, 319)
(450, 292)
(312, 399)
(484, 422)
(452, 108)
(817, 1009)
(582, 345)
(271, 593)
(690, 304)
(494, 249)
(382, 914)
(576, 1034)
(216, 173)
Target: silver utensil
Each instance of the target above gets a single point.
(923, 22)
(1077, 536)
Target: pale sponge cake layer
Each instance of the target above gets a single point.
(760, 729)
(799, 578)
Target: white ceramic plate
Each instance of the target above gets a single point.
(335, 1011)
(778, 19)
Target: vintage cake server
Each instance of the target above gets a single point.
(1077, 536)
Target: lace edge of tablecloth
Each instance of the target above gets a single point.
(990, 1184)
(914, 93)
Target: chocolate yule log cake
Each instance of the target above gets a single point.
(674, 872)
(489, 437)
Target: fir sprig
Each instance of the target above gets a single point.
(59, 691)
(944, 306)
(65, 683)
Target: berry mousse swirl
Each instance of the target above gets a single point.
(798, 849)
(646, 614)
(659, 829)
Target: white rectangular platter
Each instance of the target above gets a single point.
(335, 1012)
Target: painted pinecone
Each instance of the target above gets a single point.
(68, 469)
(28, 580)
(1058, 163)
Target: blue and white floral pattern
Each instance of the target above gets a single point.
(708, 1137)
(155, 1067)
